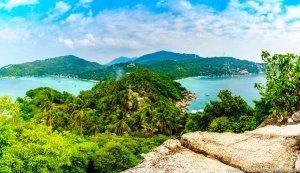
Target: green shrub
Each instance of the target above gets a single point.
(114, 157)
(283, 83)
(221, 124)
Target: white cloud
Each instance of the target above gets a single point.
(242, 30)
(15, 3)
(179, 5)
(84, 3)
(68, 42)
(91, 42)
(2, 5)
(59, 9)
(87, 41)
(7, 34)
(292, 13)
(14, 34)
(79, 20)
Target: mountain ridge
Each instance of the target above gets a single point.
(62, 65)
(119, 60)
(162, 55)
(174, 65)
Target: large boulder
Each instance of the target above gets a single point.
(267, 149)
(171, 157)
(271, 147)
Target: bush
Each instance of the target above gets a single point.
(222, 124)
(283, 83)
(230, 114)
(114, 157)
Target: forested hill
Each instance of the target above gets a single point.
(217, 66)
(155, 57)
(105, 129)
(142, 103)
(64, 65)
(174, 65)
(162, 56)
(120, 60)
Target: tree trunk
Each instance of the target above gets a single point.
(80, 126)
(50, 124)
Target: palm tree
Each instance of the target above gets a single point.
(80, 112)
(47, 99)
(94, 121)
(149, 117)
(120, 127)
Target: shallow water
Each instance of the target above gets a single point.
(17, 87)
(238, 85)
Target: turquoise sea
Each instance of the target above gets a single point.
(201, 86)
(17, 87)
(207, 89)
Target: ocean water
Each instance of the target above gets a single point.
(238, 85)
(17, 87)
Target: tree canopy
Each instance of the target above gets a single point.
(282, 89)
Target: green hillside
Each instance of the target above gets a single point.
(107, 128)
(64, 65)
(174, 65)
(218, 66)
(133, 100)
(120, 60)
(162, 56)
(112, 72)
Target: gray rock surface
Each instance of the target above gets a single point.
(267, 149)
(171, 157)
(297, 163)
(296, 117)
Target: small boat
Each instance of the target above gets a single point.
(206, 94)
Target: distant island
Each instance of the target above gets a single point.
(174, 65)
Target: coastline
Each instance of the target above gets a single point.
(51, 76)
(185, 102)
(198, 108)
(223, 76)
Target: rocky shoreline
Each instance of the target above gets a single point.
(185, 102)
(53, 76)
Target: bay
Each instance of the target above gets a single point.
(207, 89)
(17, 87)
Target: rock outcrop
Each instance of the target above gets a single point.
(267, 149)
(185, 102)
(296, 117)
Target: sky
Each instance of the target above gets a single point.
(101, 30)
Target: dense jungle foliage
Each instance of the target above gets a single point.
(228, 114)
(140, 104)
(29, 146)
(107, 128)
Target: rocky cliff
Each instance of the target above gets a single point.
(267, 149)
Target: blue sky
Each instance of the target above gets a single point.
(100, 30)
